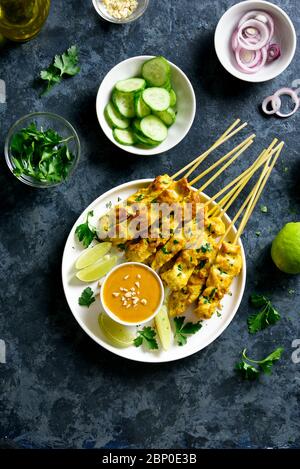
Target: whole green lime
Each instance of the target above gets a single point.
(285, 250)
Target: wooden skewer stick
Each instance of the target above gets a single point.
(244, 205)
(253, 203)
(216, 145)
(221, 160)
(217, 174)
(256, 165)
(203, 156)
(228, 200)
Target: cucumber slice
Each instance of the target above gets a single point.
(153, 128)
(145, 142)
(173, 98)
(136, 125)
(158, 99)
(124, 103)
(125, 137)
(141, 108)
(168, 117)
(156, 71)
(114, 118)
(132, 85)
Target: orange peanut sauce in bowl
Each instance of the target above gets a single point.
(132, 293)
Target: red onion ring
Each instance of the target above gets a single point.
(274, 52)
(256, 13)
(264, 35)
(288, 92)
(258, 62)
(275, 104)
(234, 42)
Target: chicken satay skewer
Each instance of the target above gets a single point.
(169, 250)
(188, 260)
(224, 137)
(229, 256)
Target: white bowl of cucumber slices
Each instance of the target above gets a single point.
(146, 105)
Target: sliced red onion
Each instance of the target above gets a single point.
(288, 92)
(257, 63)
(251, 32)
(275, 105)
(261, 41)
(274, 52)
(261, 16)
(234, 42)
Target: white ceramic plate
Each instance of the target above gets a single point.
(186, 104)
(88, 317)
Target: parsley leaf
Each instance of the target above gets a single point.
(146, 336)
(264, 318)
(63, 65)
(251, 372)
(86, 298)
(139, 198)
(84, 233)
(183, 330)
(246, 371)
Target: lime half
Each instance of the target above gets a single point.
(285, 250)
(118, 335)
(92, 255)
(163, 327)
(98, 270)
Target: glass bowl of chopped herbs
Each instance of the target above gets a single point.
(42, 149)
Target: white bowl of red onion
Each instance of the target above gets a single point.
(255, 40)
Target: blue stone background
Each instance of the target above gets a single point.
(59, 388)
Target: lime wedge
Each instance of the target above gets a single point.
(92, 255)
(163, 327)
(99, 269)
(118, 335)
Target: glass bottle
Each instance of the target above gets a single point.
(21, 20)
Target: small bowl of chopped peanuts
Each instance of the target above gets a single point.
(120, 11)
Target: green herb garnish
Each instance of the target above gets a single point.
(183, 330)
(87, 297)
(85, 233)
(250, 372)
(146, 336)
(164, 250)
(121, 246)
(139, 198)
(264, 209)
(41, 154)
(65, 65)
(266, 317)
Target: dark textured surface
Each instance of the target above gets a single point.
(58, 388)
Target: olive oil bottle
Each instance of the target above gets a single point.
(21, 20)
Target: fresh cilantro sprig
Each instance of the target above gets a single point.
(182, 331)
(65, 65)
(87, 297)
(250, 369)
(41, 154)
(147, 337)
(265, 317)
(86, 233)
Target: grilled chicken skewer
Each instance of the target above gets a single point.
(228, 262)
